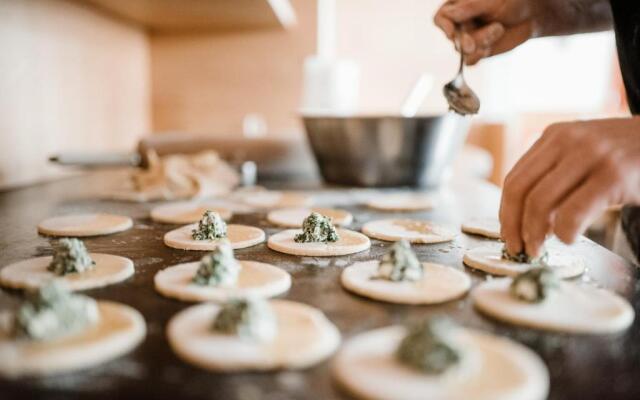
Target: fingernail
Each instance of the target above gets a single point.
(468, 44)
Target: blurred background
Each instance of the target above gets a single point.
(100, 74)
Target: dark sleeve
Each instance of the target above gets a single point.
(630, 220)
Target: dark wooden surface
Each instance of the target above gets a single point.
(581, 367)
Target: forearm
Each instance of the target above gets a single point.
(566, 17)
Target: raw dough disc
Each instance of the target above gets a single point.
(186, 212)
(402, 202)
(305, 337)
(293, 217)
(255, 279)
(350, 242)
(572, 308)
(412, 230)
(273, 199)
(84, 225)
(439, 284)
(489, 259)
(503, 369)
(119, 330)
(32, 273)
(487, 227)
(240, 236)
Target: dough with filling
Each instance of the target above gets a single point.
(349, 242)
(402, 202)
(256, 279)
(570, 308)
(81, 225)
(438, 284)
(415, 231)
(186, 212)
(119, 330)
(293, 217)
(240, 237)
(305, 337)
(367, 368)
(489, 259)
(32, 274)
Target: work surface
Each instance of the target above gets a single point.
(581, 367)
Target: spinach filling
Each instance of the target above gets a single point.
(250, 319)
(70, 256)
(317, 228)
(427, 347)
(210, 227)
(218, 268)
(52, 312)
(534, 285)
(400, 264)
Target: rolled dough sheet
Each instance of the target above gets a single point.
(270, 199)
(367, 368)
(84, 225)
(438, 285)
(240, 236)
(402, 202)
(294, 217)
(414, 231)
(350, 242)
(572, 308)
(32, 273)
(119, 330)
(255, 279)
(186, 212)
(305, 337)
(487, 227)
(489, 259)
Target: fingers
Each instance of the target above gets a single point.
(497, 41)
(542, 200)
(540, 159)
(446, 25)
(587, 202)
(466, 10)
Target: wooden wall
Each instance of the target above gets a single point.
(70, 78)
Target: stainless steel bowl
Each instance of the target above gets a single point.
(386, 151)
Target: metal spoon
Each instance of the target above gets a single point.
(459, 95)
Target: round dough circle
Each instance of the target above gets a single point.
(414, 231)
(487, 227)
(84, 225)
(119, 330)
(572, 308)
(276, 199)
(438, 285)
(305, 337)
(31, 274)
(402, 202)
(489, 259)
(186, 213)
(240, 236)
(367, 368)
(350, 242)
(255, 279)
(294, 217)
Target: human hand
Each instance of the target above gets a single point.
(567, 179)
(488, 27)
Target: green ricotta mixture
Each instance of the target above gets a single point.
(534, 285)
(428, 348)
(250, 319)
(70, 256)
(400, 264)
(524, 258)
(218, 267)
(317, 228)
(52, 312)
(210, 227)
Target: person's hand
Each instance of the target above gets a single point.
(567, 179)
(489, 27)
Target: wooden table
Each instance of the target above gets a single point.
(581, 367)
